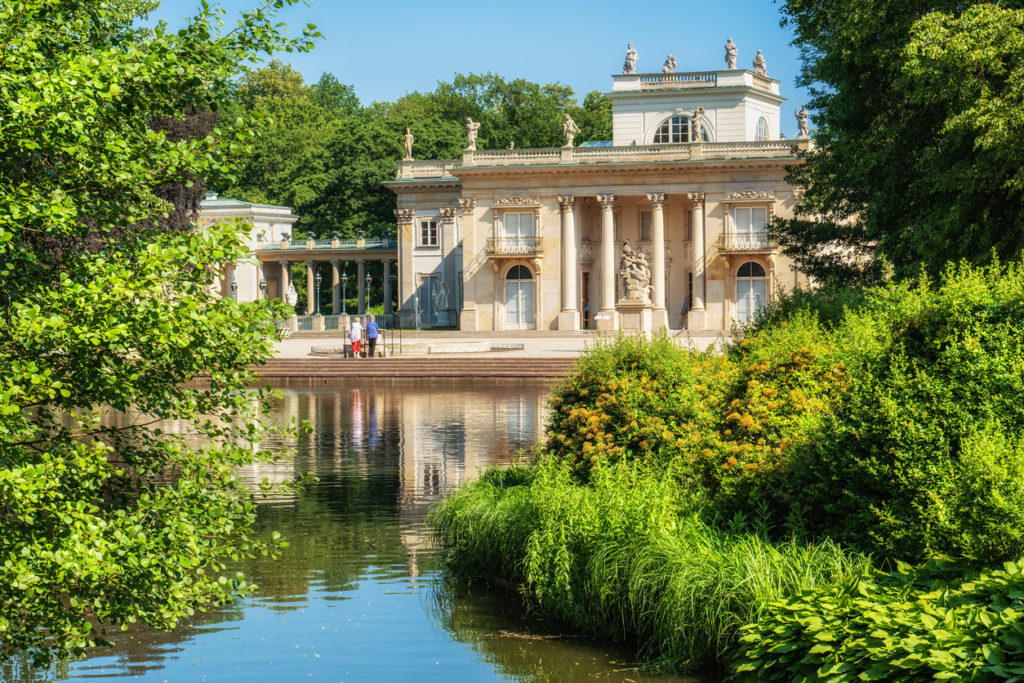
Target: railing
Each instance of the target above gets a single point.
(432, 168)
(331, 322)
(678, 80)
(305, 323)
(745, 242)
(326, 244)
(512, 246)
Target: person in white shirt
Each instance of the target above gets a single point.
(355, 335)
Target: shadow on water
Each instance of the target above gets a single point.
(358, 595)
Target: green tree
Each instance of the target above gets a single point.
(917, 112)
(108, 314)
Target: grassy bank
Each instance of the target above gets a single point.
(717, 510)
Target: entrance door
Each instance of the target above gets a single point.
(519, 299)
(585, 288)
(751, 291)
(426, 300)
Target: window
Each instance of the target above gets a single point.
(675, 129)
(689, 225)
(751, 223)
(751, 291)
(762, 130)
(645, 226)
(428, 233)
(518, 224)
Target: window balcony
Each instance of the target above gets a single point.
(513, 246)
(748, 243)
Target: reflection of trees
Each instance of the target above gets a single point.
(381, 453)
(497, 626)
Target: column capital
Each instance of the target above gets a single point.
(284, 262)
(336, 262)
(657, 199)
(448, 214)
(360, 260)
(566, 201)
(467, 204)
(310, 263)
(697, 198)
(405, 215)
(607, 201)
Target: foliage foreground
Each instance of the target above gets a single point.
(720, 509)
(112, 510)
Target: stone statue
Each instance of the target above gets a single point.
(801, 121)
(409, 139)
(512, 145)
(695, 135)
(570, 129)
(471, 130)
(635, 274)
(630, 66)
(730, 54)
(670, 65)
(291, 297)
(760, 66)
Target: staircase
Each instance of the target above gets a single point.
(492, 368)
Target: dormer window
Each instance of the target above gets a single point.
(761, 135)
(675, 130)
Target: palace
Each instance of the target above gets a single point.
(663, 226)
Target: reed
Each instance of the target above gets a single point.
(627, 556)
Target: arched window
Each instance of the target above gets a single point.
(762, 130)
(518, 298)
(751, 291)
(676, 129)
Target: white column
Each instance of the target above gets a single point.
(361, 276)
(607, 317)
(285, 280)
(660, 315)
(387, 285)
(310, 287)
(569, 317)
(698, 314)
(336, 287)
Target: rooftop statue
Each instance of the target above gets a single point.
(409, 139)
(670, 65)
(760, 65)
(730, 54)
(801, 121)
(570, 129)
(471, 131)
(630, 66)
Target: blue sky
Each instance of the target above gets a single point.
(390, 47)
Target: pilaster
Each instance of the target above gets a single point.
(568, 317)
(608, 317)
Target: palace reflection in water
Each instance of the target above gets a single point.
(358, 594)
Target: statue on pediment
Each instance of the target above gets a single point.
(471, 130)
(802, 116)
(570, 129)
(630, 66)
(409, 139)
(760, 65)
(730, 54)
(670, 65)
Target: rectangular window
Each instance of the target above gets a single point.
(518, 224)
(645, 226)
(689, 225)
(751, 223)
(428, 233)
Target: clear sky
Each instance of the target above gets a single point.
(386, 48)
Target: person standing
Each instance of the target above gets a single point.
(355, 335)
(372, 332)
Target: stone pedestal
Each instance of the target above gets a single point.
(659, 318)
(635, 315)
(607, 320)
(696, 320)
(318, 323)
(569, 321)
(292, 323)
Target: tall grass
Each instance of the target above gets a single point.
(627, 557)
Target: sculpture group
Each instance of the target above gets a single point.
(635, 273)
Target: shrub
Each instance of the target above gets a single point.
(934, 622)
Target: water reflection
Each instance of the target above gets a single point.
(358, 596)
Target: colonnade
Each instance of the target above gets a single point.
(607, 316)
(338, 283)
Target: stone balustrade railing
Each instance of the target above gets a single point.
(513, 246)
(673, 81)
(319, 244)
(745, 242)
(597, 155)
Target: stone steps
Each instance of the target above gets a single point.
(531, 369)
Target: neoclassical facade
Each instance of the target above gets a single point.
(663, 226)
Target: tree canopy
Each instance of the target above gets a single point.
(918, 112)
(119, 498)
(324, 154)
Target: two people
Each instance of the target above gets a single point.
(355, 336)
